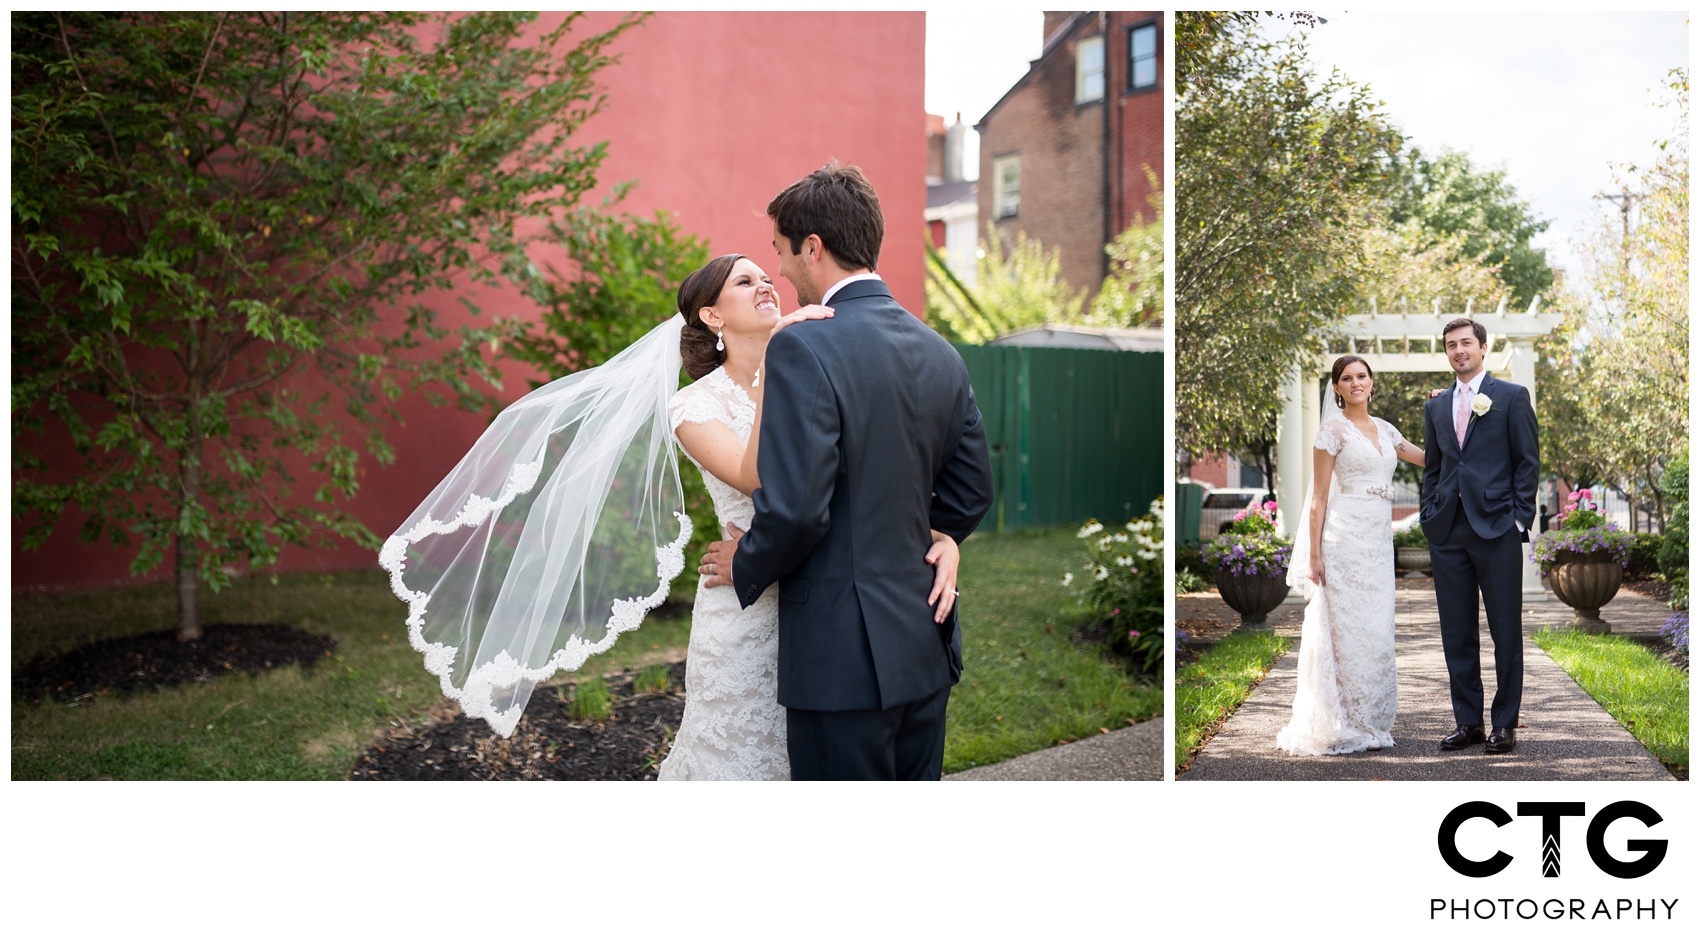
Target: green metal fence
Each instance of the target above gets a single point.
(1074, 433)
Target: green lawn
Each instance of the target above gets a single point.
(1027, 685)
(1643, 692)
(1208, 691)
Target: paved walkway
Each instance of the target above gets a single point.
(1565, 735)
(1134, 753)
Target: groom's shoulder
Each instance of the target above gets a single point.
(1508, 389)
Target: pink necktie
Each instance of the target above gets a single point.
(1462, 419)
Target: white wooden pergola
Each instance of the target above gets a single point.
(1403, 342)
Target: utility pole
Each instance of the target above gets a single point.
(1623, 201)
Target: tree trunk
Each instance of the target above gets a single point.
(188, 603)
(1658, 501)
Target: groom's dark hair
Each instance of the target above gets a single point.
(1460, 323)
(838, 204)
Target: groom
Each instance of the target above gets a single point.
(1482, 460)
(869, 438)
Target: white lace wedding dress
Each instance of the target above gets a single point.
(1348, 690)
(734, 726)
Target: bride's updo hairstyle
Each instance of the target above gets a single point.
(701, 288)
(1340, 365)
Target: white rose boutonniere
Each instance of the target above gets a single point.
(1481, 405)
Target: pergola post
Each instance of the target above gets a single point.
(1523, 373)
(1290, 446)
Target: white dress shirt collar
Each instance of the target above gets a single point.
(1475, 384)
(866, 276)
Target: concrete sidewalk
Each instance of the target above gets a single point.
(1565, 734)
(1134, 753)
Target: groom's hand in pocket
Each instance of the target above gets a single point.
(716, 567)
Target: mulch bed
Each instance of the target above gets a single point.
(153, 661)
(548, 744)
(1652, 590)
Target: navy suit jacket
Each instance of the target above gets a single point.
(870, 438)
(1495, 472)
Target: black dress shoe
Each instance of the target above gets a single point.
(1501, 741)
(1463, 737)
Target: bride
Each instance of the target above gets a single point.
(1342, 563)
(564, 525)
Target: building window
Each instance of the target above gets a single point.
(1142, 56)
(1089, 70)
(1006, 172)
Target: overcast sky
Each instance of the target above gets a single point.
(1556, 99)
(973, 57)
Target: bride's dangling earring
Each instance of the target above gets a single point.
(719, 341)
(1339, 402)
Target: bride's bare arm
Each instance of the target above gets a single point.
(1410, 453)
(717, 450)
(713, 445)
(1323, 474)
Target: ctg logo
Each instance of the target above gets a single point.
(1652, 851)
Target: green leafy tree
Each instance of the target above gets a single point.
(1016, 285)
(1278, 175)
(1132, 293)
(1477, 214)
(1621, 379)
(621, 279)
(1197, 31)
(224, 229)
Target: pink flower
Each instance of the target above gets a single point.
(1115, 612)
(1133, 633)
(1269, 505)
(1239, 515)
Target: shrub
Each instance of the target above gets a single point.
(1124, 583)
(1414, 537)
(1191, 573)
(1644, 556)
(1673, 555)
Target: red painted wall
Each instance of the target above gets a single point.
(712, 114)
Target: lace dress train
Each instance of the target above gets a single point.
(1348, 688)
(734, 726)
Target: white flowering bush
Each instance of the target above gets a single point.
(1122, 579)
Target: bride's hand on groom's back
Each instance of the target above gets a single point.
(945, 557)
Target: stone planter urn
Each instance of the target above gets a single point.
(1412, 560)
(1252, 596)
(1586, 581)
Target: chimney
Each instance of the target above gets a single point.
(1054, 20)
(954, 138)
(938, 150)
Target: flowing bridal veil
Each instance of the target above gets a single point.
(558, 531)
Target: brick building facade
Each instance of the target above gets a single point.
(1064, 153)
